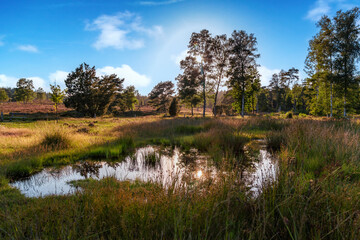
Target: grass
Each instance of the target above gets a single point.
(316, 195)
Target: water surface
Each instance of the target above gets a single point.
(147, 164)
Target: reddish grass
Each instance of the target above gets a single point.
(33, 107)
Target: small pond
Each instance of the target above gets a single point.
(147, 164)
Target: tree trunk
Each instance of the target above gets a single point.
(242, 103)
(331, 99)
(344, 105)
(217, 92)
(204, 98)
(192, 110)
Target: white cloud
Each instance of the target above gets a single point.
(7, 81)
(125, 71)
(28, 48)
(120, 31)
(266, 74)
(177, 58)
(157, 3)
(58, 77)
(329, 7)
(39, 82)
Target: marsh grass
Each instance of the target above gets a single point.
(316, 195)
(56, 140)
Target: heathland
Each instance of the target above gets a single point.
(315, 194)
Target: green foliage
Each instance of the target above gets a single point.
(127, 99)
(160, 96)
(174, 108)
(3, 95)
(24, 90)
(89, 94)
(40, 94)
(56, 95)
(243, 68)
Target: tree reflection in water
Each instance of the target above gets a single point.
(88, 168)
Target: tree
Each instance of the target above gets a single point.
(287, 79)
(253, 90)
(189, 83)
(160, 96)
(200, 46)
(89, 94)
(319, 63)
(243, 65)
(348, 47)
(174, 108)
(129, 96)
(56, 96)
(275, 88)
(24, 90)
(3, 96)
(220, 56)
(40, 94)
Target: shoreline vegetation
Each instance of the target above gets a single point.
(316, 195)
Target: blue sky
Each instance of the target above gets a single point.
(143, 40)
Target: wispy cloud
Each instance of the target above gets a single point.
(157, 3)
(329, 7)
(121, 31)
(28, 48)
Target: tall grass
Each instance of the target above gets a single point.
(316, 195)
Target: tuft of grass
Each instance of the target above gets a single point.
(274, 140)
(56, 140)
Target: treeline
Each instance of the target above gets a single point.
(221, 72)
(332, 88)
(24, 92)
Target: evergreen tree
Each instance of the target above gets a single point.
(347, 33)
(174, 108)
(40, 94)
(189, 83)
(89, 94)
(24, 90)
(200, 46)
(56, 96)
(160, 96)
(243, 65)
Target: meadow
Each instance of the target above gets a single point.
(316, 194)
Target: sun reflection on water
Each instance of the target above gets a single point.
(198, 174)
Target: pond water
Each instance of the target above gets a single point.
(147, 164)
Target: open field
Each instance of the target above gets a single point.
(316, 195)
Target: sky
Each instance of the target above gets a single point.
(143, 41)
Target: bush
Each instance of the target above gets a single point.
(302, 115)
(174, 108)
(56, 140)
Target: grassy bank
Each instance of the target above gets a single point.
(316, 195)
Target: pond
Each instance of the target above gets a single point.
(146, 164)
